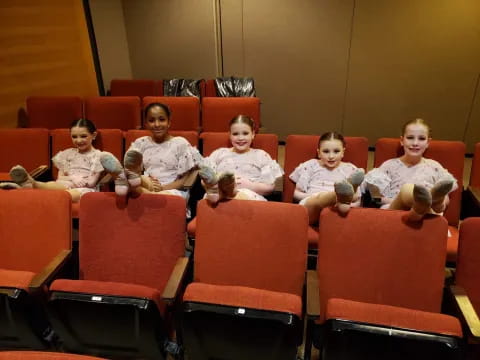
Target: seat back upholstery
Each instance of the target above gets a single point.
(27, 147)
(468, 260)
(42, 355)
(132, 135)
(217, 112)
(210, 90)
(133, 87)
(138, 243)
(185, 111)
(251, 243)
(34, 227)
(475, 174)
(450, 154)
(300, 148)
(53, 112)
(120, 112)
(374, 256)
(216, 140)
(110, 140)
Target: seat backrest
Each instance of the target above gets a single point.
(35, 226)
(210, 90)
(133, 87)
(251, 243)
(114, 112)
(185, 111)
(215, 140)
(136, 243)
(374, 256)
(132, 135)
(300, 148)
(468, 259)
(27, 147)
(451, 154)
(110, 140)
(217, 112)
(53, 112)
(475, 173)
(43, 355)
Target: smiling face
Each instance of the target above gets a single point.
(158, 122)
(82, 138)
(330, 153)
(241, 136)
(415, 141)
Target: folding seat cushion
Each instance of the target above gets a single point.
(246, 298)
(217, 112)
(53, 112)
(120, 112)
(300, 148)
(132, 135)
(131, 265)
(42, 355)
(451, 154)
(133, 87)
(380, 284)
(28, 147)
(35, 243)
(185, 111)
(471, 196)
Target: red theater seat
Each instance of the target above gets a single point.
(185, 111)
(217, 112)
(53, 112)
(132, 87)
(120, 112)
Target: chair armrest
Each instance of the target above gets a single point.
(49, 271)
(475, 191)
(176, 278)
(313, 298)
(190, 179)
(38, 171)
(467, 310)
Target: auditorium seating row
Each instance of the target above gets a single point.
(125, 112)
(144, 88)
(376, 293)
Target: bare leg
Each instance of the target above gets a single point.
(75, 194)
(316, 203)
(404, 199)
(415, 198)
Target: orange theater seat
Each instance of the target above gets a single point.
(27, 147)
(53, 112)
(35, 242)
(108, 112)
(451, 154)
(185, 111)
(378, 288)
(131, 267)
(210, 90)
(471, 198)
(39, 355)
(217, 112)
(133, 87)
(246, 298)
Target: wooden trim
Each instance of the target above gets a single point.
(35, 173)
(313, 297)
(50, 270)
(475, 191)
(176, 278)
(468, 312)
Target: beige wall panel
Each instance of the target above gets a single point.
(109, 24)
(297, 52)
(472, 133)
(171, 38)
(412, 59)
(45, 50)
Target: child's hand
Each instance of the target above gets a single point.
(156, 186)
(243, 182)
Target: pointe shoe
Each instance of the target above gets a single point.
(110, 163)
(422, 201)
(9, 186)
(345, 193)
(132, 163)
(226, 185)
(208, 175)
(21, 177)
(439, 191)
(121, 184)
(356, 178)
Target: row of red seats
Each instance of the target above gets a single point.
(376, 292)
(125, 112)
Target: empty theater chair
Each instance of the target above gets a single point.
(185, 111)
(471, 198)
(245, 301)
(300, 148)
(467, 285)
(451, 154)
(131, 266)
(120, 112)
(378, 288)
(35, 242)
(27, 147)
(217, 112)
(53, 112)
(39, 355)
(133, 87)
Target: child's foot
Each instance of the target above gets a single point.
(21, 177)
(133, 167)
(422, 201)
(356, 178)
(344, 191)
(226, 185)
(208, 175)
(9, 186)
(110, 163)
(439, 191)
(121, 184)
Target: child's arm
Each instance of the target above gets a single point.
(93, 179)
(177, 184)
(258, 187)
(299, 195)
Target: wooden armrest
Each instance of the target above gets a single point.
(468, 312)
(50, 270)
(38, 171)
(313, 298)
(176, 278)
(475, 191)
(190, 179)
